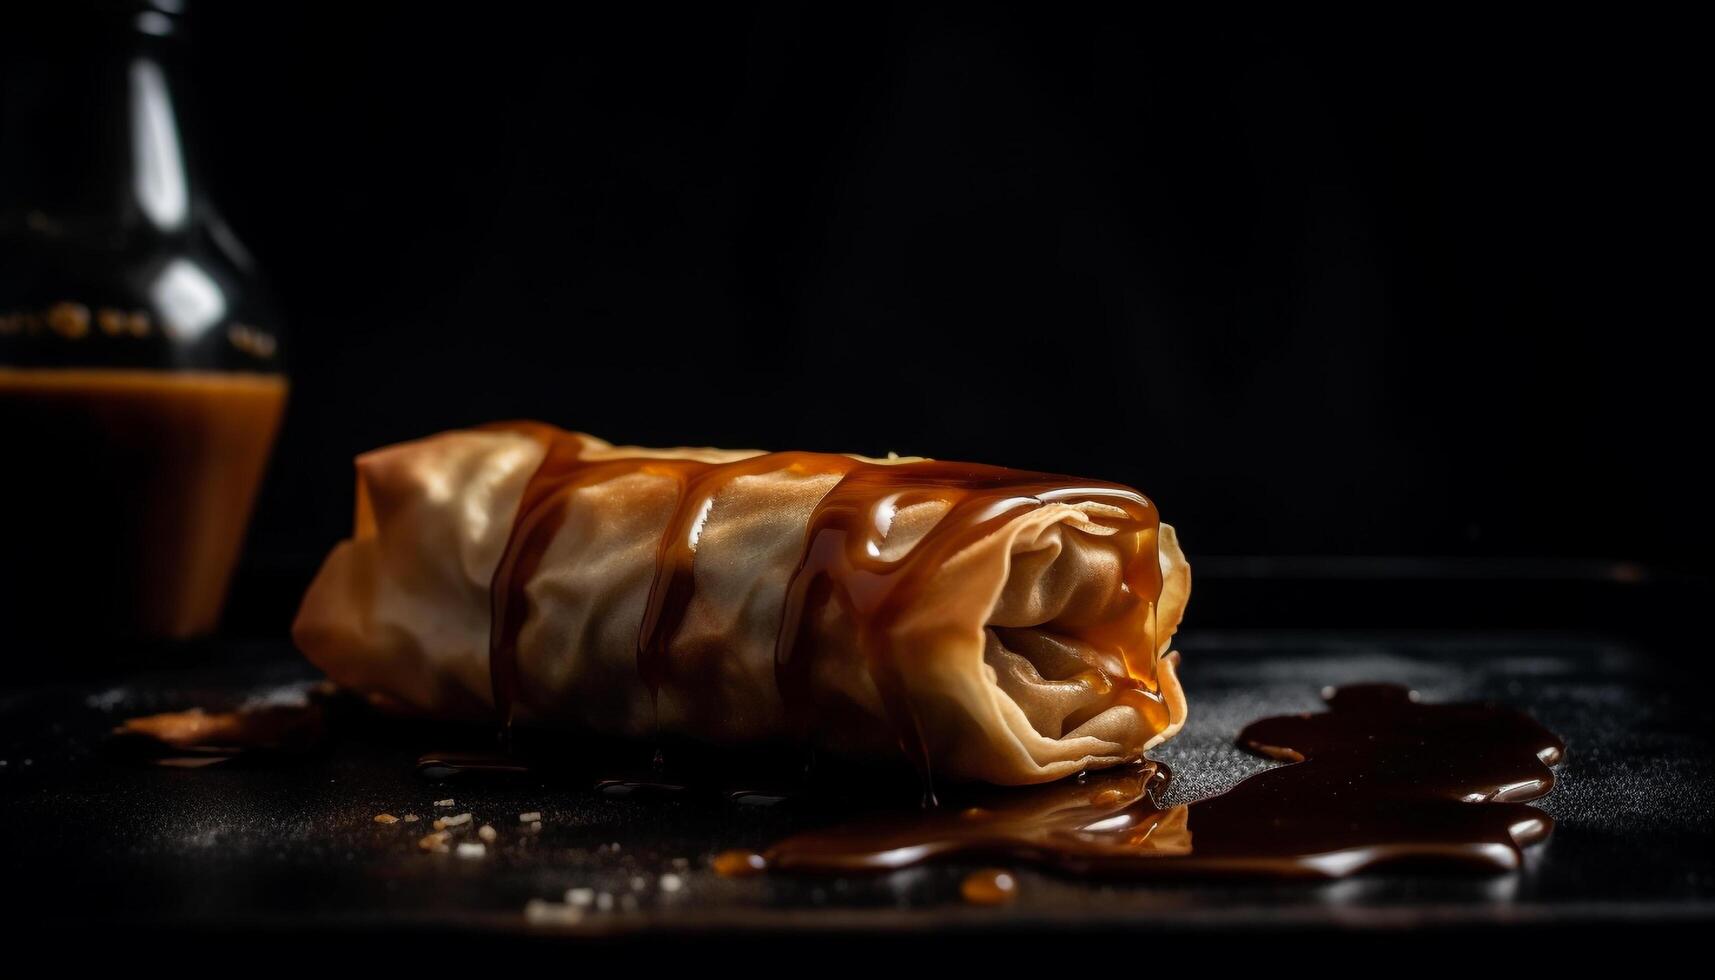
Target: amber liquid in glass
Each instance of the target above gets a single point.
(124, 496)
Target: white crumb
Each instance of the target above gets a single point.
(539, 912)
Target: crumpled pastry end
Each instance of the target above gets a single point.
(992, 662)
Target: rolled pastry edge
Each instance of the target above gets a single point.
(400, 613)
(985, 733)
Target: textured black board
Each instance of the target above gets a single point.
(265, 845)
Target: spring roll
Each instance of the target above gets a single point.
(990, 624)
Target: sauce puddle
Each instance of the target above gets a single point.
(447, 765)
(1378, 779)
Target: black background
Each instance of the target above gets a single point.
(1425, 285)
(1319, 286)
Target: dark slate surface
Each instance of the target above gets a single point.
(289, 843)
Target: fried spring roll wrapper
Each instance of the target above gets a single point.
(998, 651)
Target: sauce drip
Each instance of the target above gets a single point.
(1378, 779)
(842, 560)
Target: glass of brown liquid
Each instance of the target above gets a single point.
(141, 381)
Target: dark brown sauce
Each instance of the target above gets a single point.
(758, 797)
(642, 789)
(1378, 779)
(447, 765)
(841, 561)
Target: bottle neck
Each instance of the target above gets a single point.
(91, 138)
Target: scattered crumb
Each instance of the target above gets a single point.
(443, 802)
(191, 762)
(539, 912)
(536, 827)
(679, 864)
(638, 883)
(671, 883)
(532, 817)
(487, 833)
(738, 864)
(472, 849)
(435, 843)
(581, 897)
(458, 821)
(258, 726)
(604, 902)
(410, 818)
(386, 818)
(989, 887)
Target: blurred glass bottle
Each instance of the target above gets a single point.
(140, 365)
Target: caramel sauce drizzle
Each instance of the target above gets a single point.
(841, 561)
(844, 562)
